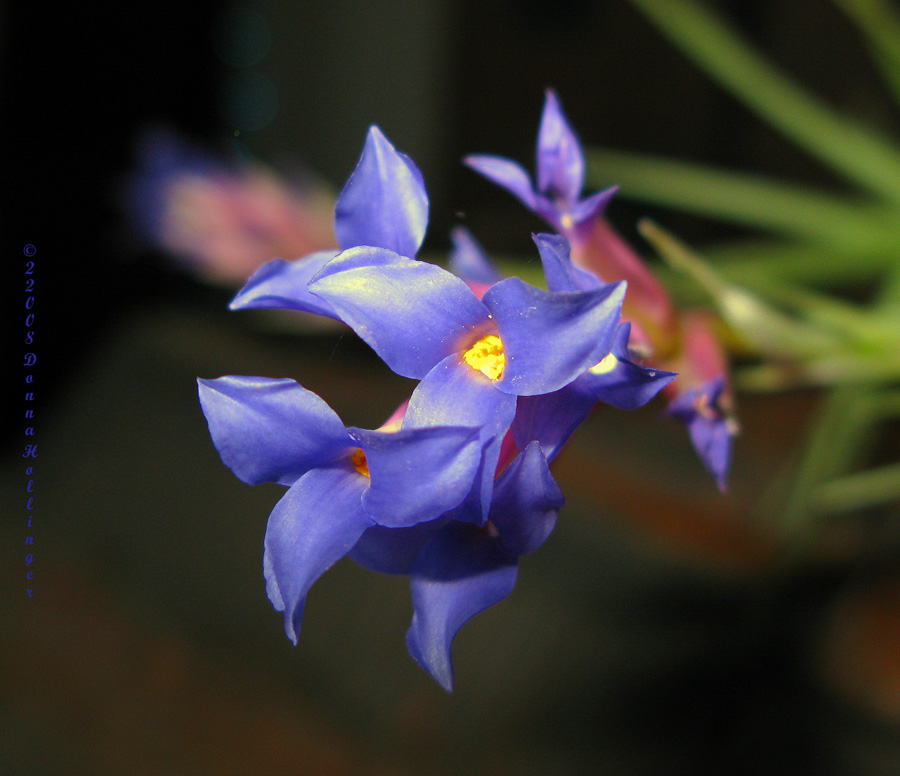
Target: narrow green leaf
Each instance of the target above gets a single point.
(744, 261)
(746, 199)
(854, 491)
(858, 152)
(880, 24)
(859, 326)
(831, 446)
(766, 328)
(884, 405)
(889, 298)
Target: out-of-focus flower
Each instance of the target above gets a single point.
(341, 480)
(560, 174)
(595, 244)
(708, 424)
(674, 340)
(470, 261)
(224, 221)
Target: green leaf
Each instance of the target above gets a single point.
(768, 329)
(858, 152)
(839, 432)
(750, 200)
(879, 23)
(854, 491)
(745, 261)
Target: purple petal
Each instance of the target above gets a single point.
(563, 277)
(712, 441)
(283, 285)
(506, 173)
(393, 550)
(270, 430)
(453, 394)
(459, 573)
(384, 203)
(551, 418)
(592, 207)
(621, 383)
(413, 314)
(709, 427)
(314, 525)
(526, 500)
(417, 474)
(560, 160)
(550, 339)
(469, 260)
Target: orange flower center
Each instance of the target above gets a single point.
(358, 459)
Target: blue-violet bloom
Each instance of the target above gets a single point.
(341, 480)
(383, 204)
(709, 425)
(560, 174)
(473, 357)
(458, 569)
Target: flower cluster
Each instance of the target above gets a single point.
(456, 485)
(684, 342)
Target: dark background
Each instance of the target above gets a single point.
(650, 635)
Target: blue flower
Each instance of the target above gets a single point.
(560, 174)
(507, 368)
(615, 379)
(473, 357)
(383, 204)
(711, 428)
(458, 569)
(556, 198)
(341, 480)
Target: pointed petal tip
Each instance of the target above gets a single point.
(238, 302)
(551, 100)
(292, 631)
(376, 133)
(384, 202)
(442, 671)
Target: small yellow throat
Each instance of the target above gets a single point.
(605, 366)
(487, 356)
(358, 459)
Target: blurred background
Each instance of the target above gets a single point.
(661, 630)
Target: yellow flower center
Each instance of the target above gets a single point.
(487, 356)
(358, 459)
(605, 366)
